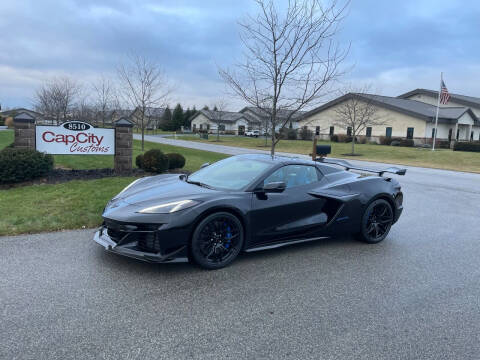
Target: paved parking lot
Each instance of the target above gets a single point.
(414, 296)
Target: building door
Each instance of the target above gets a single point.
(332, 130)
(349, 131)
(410, 133)
(369, 132)
(450, 131)
(388, 132)
(458, 134)
(241, 129)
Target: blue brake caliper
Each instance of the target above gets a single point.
(228, 237)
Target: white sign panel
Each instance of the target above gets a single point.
(75, 138)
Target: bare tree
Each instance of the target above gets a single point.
(57, 97)
(105, 98)
(143, 86)
(84, 110)
(217, 115)
(357, 112)
(290, 58)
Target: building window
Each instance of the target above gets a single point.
(349, 131)
(201, 126)
(369, 132)
(317, 130)
(208, 127)
(332, 130)
(433, 133)
(221, 127)
(194, 127)
(388, 132)
(409, 133)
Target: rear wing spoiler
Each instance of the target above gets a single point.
(348, 166)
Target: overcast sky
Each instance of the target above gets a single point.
(396, 46)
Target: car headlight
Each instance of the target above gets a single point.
(170, 207)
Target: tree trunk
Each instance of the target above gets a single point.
(353, 143)
(143, 134)
(272, 148)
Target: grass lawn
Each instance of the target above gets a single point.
(440, 159)
(74, 204)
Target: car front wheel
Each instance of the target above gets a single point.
(376, 221)
(217, 240)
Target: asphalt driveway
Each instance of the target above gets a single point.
(414, 296)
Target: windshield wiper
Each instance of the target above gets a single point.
(199, 184)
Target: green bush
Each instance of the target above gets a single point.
(17, 165)
(2, 121)
(473, 146)
(442, 144)
(155, 161)
(384, 140)
(305, 133)
(175, 161)
(139, 161)
(334, 138)
(291, 134)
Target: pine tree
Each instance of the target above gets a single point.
(215, 108)
(186, 118)
(166, 120)
(205, 107)
(177, 117)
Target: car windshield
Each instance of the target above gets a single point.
(233, 173)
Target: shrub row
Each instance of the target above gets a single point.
(473, 146)
(17, 165)
(156, 161)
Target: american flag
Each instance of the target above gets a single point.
(444, 95)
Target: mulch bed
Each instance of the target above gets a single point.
(57, 176)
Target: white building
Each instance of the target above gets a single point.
(227, 122)
(411, 115)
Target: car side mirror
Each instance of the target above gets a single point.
(274, 187)
(204, 165)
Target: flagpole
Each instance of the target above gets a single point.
(436, 116)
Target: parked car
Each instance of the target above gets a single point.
(252, 133)
(247, 203)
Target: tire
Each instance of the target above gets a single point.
(376, 222)
(217, 241)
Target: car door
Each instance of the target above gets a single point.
(291, 214)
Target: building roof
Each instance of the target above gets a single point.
(224, 116)
(413, 108)
(461, 99)
(282, 114)
(12, 112)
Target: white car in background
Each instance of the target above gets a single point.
(253, 133)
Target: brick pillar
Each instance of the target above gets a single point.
(24, 126)
(123, 146)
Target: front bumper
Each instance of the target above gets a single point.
(131, 249)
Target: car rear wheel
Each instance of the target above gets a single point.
(376, 221)
(217, 240)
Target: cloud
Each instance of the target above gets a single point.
(396, 46)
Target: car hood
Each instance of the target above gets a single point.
(161, 188)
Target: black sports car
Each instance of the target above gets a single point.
(248, 203)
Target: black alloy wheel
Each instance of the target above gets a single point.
(217, 240)
(376, 222)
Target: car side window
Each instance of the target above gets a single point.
(294, 175)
